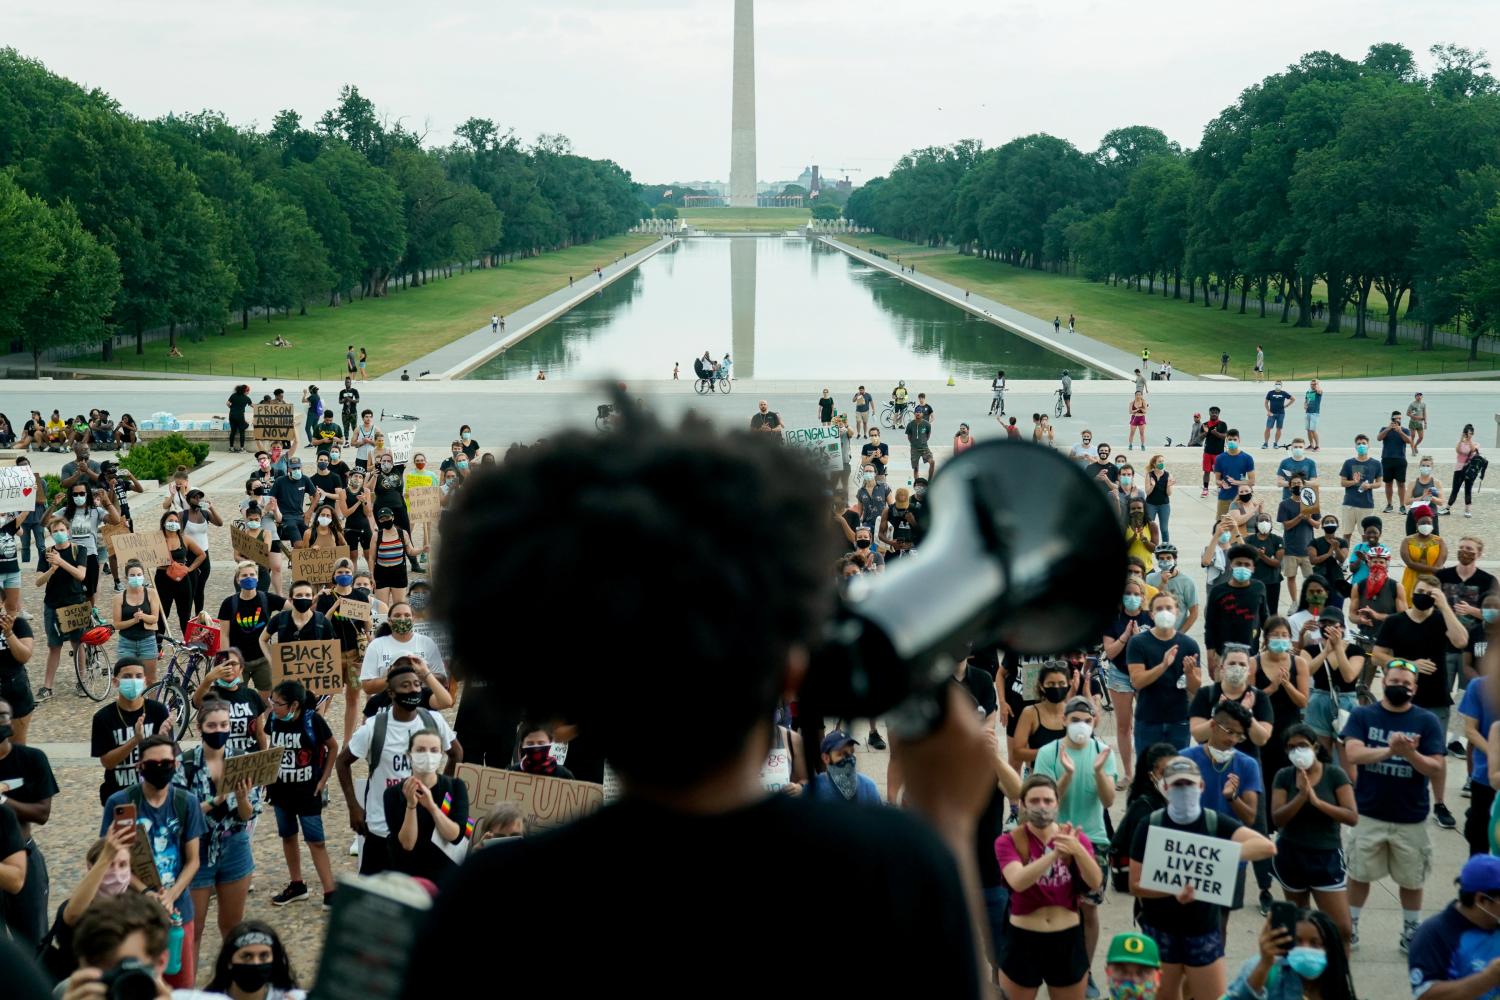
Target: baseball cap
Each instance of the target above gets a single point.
(384, 512)
(1078, 703)
(294, 463)
(1178, 768)
(1138, 949)
(836, 739)
(1481, 873)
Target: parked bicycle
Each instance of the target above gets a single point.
(176, 686)
(92, 663)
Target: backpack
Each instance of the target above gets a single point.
(377, 738)
(1210, 820)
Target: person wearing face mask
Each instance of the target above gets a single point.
(1283, 674)
(353, 633)
(325, 532)
(174, 581)
(1360, 477)
(63, 578)
(1159, 483)
(1453, 953)
(1045, 721)
(1296, 463)
(136, 613)
(1233, 470)
(1467, 588)
(253, 965)
(247, 612)
(1397, 749)
(226, 863)
(308, 750)
(1292, 966)
(225, 682)
(537, 752)
(873, 495)
(171, 820)
(1312, 799)
(107, 876)
(398, 640)
(325, 479)
(87, 509)
(1143, 798)
(1215, 558)
(392, 547)
(1296, 520)
(1163, 664)
(1426, 496)
(1334, 666)
(297, 623)
(1141, 535)
(1421, 552)
(118, 729)
(365, 437)
(27, 787)
(382, 741)
(1234, 684)
(1049, 866)
(840, 780)
(1236, 607)
(1326, 554)
(353, 504)
(1377, 597)
(1189, 933)
(1168, 576)
(898, 525)
(1132, 968)
(196, 519)
(427, 812)
(1134, 618)
(292, 492)
(1232, 778)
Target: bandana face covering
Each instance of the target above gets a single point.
(538, 759)
(844, 777)
(1376, 580)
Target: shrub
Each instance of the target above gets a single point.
(158, 459)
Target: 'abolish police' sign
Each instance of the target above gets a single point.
(1176, 859)
(819, 441)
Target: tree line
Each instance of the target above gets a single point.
(1319, 184)
(113, 224)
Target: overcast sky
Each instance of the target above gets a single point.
(842, 83)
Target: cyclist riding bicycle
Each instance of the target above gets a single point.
(898, 400)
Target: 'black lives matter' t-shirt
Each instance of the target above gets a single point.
(634, 864)
(113, 727)
(245, 706)
(302, 760)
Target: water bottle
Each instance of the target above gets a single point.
(174, 945)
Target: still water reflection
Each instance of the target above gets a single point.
(783, 309)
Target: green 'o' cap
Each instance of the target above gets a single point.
(1134, 949)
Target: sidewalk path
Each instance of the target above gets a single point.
(458, 358)
(1085, 350)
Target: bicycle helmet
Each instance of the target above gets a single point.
(1379, 552)
(98, 635)
(1166, 549)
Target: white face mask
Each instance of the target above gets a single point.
(1165, 619)
(1424, 529)
(325, 521)
(1219, 756)
(425, 761)
(1302, 757)
(1426, 470)
(1264, 527)
(1079, 732)
(1296, 452)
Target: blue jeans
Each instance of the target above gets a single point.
(997, 915)
(1161, 513)
(1147, 733)
(34, 532)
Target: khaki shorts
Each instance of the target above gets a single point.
(1291, 564)
(1349, 518)
(1400, 850)
(259, 673)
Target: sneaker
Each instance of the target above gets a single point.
(1456, 748)
(1466, 791)
(1446, 510)
(1265, 902)
(1092, 992)
(1354, 936)
(328, 900)
(1403, 509)
(118, 586)
(1203, 494)
(1445, 820)
(1389, 509)
(43, 694)
(1468, 513)
(1408, 931)
(354, 848)
(874, 741)
(293, 892)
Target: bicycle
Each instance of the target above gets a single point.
(703, 386)
(175, 693)
(1057, 410)
(93, 666)
(890, 418)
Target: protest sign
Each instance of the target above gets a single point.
(1030, 675)
(17, 489)
(109, 531)
(74, 617)
(316, 565)
(424, 503)
(249, 546)
(149, 548)
(142, 861)
(1309, 497)
(313, 663)
(612, 787)
(822, 443)
(358, 611)
(1176, 859)
(274, 422)
(550, 802)
(399, 443)
(260, 766)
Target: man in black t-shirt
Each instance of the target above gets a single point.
(1466, 586)
(119, 727)
(1235, 608)
(1214, 433)
(26, 790)
(1103, 467)
(349, 408)
(766, 419)
(980, 684)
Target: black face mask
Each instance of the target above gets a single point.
(1398, 695)
(250, 978)
(302, 604)
(1330, 529)
(863, 543)
(1054, 694)
(215, 741)
(1423, 601)
(363, 592)
(409, 699)
(158, 773)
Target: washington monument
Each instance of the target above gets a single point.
(742, 123)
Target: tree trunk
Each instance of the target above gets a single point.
(1474, 347)
(1224, 301)
(140, 342)
(1393, 312)
(1359, 305)
(1336, 296)
(1304, 300)
(36, 361)
(245, 318)
(1177, 283)
(1192, 289)
(171, 336)
(1265, 282)
(1427, 329)
(1244, 291)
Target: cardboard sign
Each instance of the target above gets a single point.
(142, 862)
(109, 531)
(399, 444)
(150, 549)
(353, 610)
(260, 766)
(313, 663)
(353, 662)
(1176, 859)
(18, 491)
(249, 546)
(550, 802)
(424, 503)
(74, 618)
(274, 422)
(822, 443)
(316, 565)
(1031, 674)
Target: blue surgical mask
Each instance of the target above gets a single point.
(1224, 538)
(247, 583)
(1361, 450)
(1279, 645)
(296, 473)
(132, 688)
(291, 713)
(343, 579)
(252, 525)
(1131, 602)
(1490, 614)
(228, 683)
(1242, 573)
(1232, 445)
(1306, 962)
(60, 537)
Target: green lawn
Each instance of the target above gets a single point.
(1189, 336)
(741, 220)
(394, 330)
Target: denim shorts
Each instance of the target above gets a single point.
(1118, 680)
(144, 650)
(1320, 711)
(1192, 950)
(1312, 420)
(1275, 420)
(235, 862)
(10, 581)
(286, 825)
